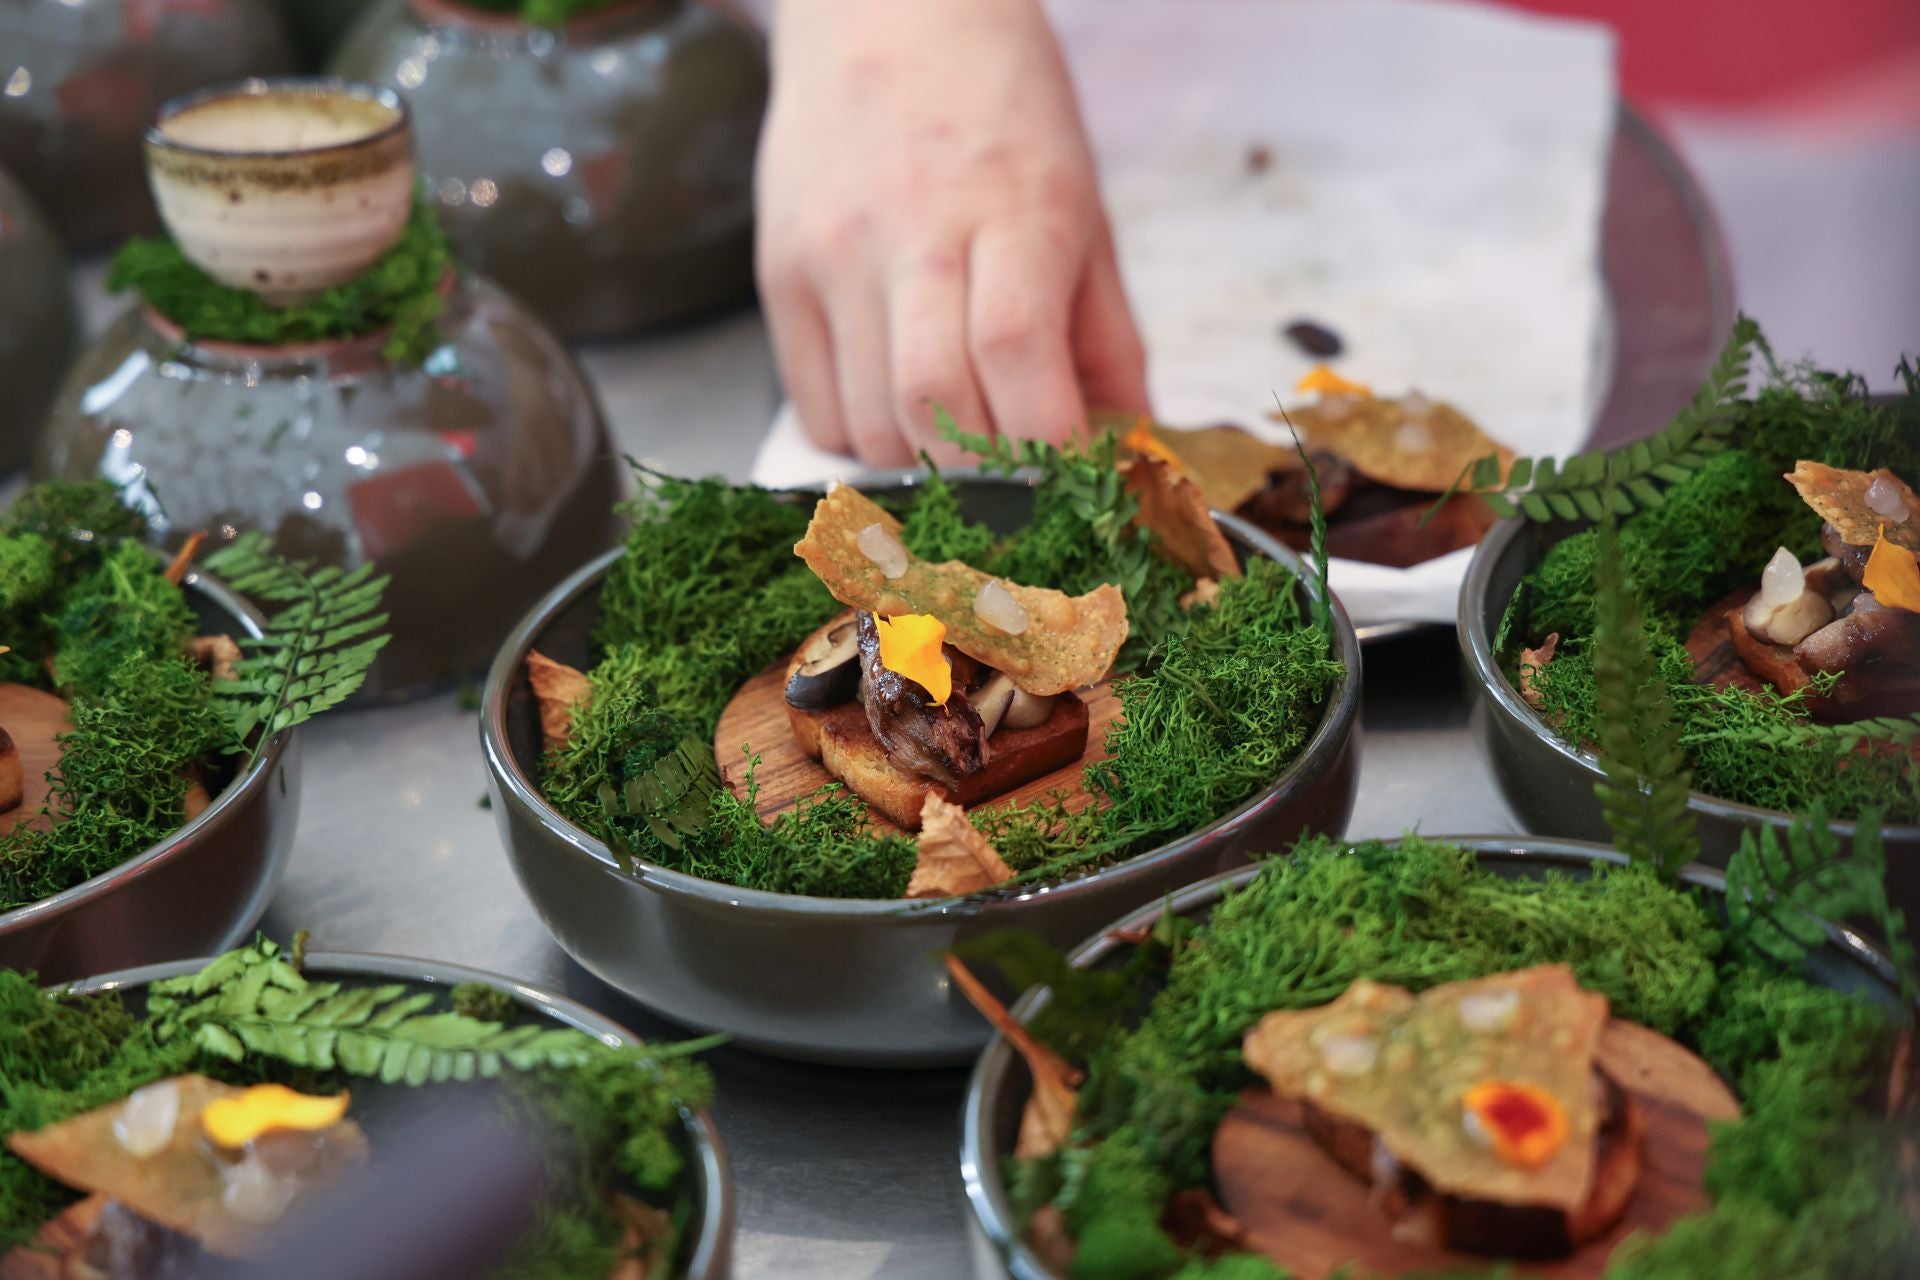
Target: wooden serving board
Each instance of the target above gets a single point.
(33, 719)
(46, 1258)
(1307, 1213)
(757, 718)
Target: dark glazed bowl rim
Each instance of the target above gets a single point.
(520, 791)
(1476, 647)
(980, 1156)
(709, 1165)
(224, 810)
(260, 86)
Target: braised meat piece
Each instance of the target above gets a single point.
(945, 744)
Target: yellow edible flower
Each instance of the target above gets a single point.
(1893, 575)
(1523, 1121)
(910, 646)
(233, 1122)
(1324, 380)
(1143, 442)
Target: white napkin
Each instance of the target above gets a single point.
(1432, 193)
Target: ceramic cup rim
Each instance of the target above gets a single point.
(262, 86)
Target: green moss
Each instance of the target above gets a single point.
(400, 292)
(1807, 1173)
(548, 13)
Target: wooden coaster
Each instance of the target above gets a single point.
(33, 719)
(1308, 1214)
(757, 718)
(53, 1242)
(1710, 645)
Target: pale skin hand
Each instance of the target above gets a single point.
(930, 229)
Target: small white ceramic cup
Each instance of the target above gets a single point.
(283, 187)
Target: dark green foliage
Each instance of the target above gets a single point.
(1803, 1184)
(1645, 791)
(26, 571)
(124, 609)
(935, 528)
(478, 1000)
(320, 640)
(547, 13)
(400, 293)
(82, 517)
(613, 1115)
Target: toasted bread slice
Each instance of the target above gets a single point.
(1420, 1215)
(850, 752)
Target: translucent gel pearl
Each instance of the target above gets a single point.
(1783, 580)
(1884, 496)
(878, 544)
(996, 607)
(254, 1193)
(145, 1124)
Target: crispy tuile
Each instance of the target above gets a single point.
(1230, 464)
(558, 688)
(1381, 439)
(1532, 661)
(1551, 1042)
(1893, 575)
(183, 559)
(1173, 508)
(218, 656)
(1839, 497)
(1069, 643)
(1203, 592)
(1048, 1120)
(178, 1187)
(954, 858)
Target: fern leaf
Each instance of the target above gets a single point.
(1644, 793)
(317, 648)
(673, 797)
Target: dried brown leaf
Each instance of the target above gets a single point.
(183, 559)
(1172, 507)
(955, 858)
(1531, 663)
(1048, 1120)
(558, 689)
(218, 656)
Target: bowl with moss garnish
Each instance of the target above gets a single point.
(148, 770)
(1460, 1056)
(1763, 536)
(611, 188)
(304, 357)
(331, 1113)
(760, 793)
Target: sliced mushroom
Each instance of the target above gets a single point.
(829, 671)
(1876, 655)
(1028, 711)
(1829, 577)
(992, 700)
(1787, 609)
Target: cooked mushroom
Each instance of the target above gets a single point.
(1876, 654)
(1786, 610)
(1853, 560)
(1002, 704)
(829, 671)
(1028, 711)
(13, 778)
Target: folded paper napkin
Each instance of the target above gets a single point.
(1425, 179)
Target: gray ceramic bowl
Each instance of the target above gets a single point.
(1549, 784)
(831, 980)
(200, 890)
(997, 1093)
(709, 1254)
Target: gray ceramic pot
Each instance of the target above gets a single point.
(997, 1093)
(83, 79)
(708, 1238)
(476, 480)
(38, 326)
(1549, 784)
(830, 980)
(200, 890)
(601, 171)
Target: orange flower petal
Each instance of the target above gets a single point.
(910, 646)
(234, 1122)
(1523, 1121)
(1324, 380)
(1141, 440)
(1893, 575)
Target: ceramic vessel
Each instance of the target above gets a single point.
(835, 980)
(80, 81)
(200, 890)
(997, 1093)
(283, 187)
(476, 479)
(601, 171)
(707, 1236)
(38, 326)
(1549, 783)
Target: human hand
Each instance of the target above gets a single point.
(930, 229)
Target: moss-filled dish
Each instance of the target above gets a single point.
(1232, 725)
(166, 1065)
(1775, 715)
(1754, 1095)
(142, 716)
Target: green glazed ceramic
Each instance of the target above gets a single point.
(80, 81)
(37, 326)
(602, 171)
(476, 480)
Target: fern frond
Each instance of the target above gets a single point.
(318, 645)
(254, 1001)
(1891, 731)
(1644, 793)
(1317, 533)
(673, 797)
(1632, 477)
(1780, 895)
